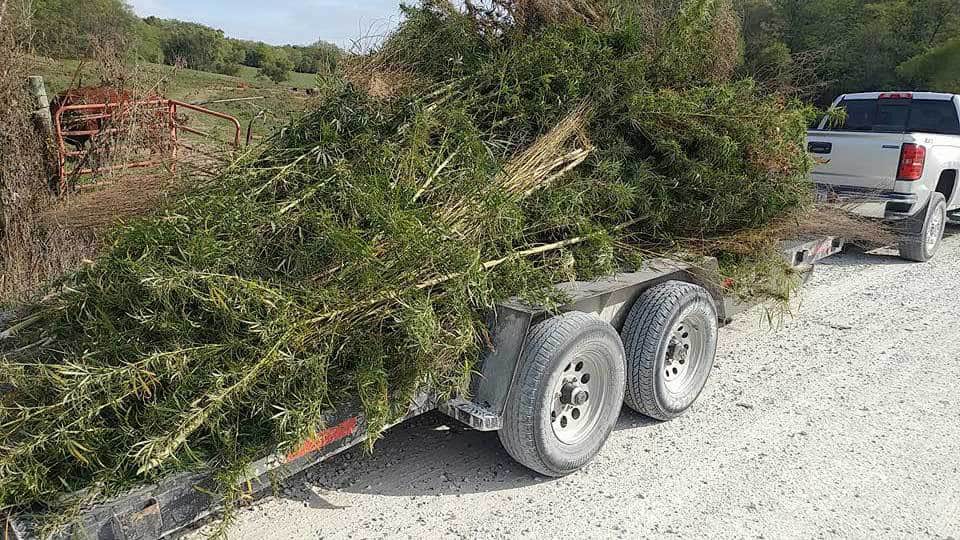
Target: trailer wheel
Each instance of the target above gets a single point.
(670, 338)
(924, 233)
(567, 396)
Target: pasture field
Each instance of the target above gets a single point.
(275, 105)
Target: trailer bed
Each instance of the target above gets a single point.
(167, 508)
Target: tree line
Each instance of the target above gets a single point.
(819, 48)
(829, 47)
(70, 29)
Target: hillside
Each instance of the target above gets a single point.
(278, 104)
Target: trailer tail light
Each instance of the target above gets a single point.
(324, 438)
(913, 157)
(896, 95)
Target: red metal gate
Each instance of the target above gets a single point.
(84, 126)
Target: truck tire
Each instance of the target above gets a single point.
(670, 338)
(924, 232)
(567, 395)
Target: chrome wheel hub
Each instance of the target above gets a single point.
(578, 399)
(684, 354)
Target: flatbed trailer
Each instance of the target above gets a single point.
(502, 393)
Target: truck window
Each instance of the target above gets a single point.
(900, 116)
(934, 117)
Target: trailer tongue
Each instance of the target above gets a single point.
(516, 390)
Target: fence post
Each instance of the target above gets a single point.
(42, 105)
(43, 121)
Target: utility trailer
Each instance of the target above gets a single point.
(552, 384)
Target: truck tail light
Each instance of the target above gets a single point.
(913, 157)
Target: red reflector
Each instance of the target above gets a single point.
(913, 157)
(896, 95)
(327, 436)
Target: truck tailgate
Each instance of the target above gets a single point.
(852, 159)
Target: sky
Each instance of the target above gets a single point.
(281, 22)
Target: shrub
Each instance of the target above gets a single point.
(276, 67)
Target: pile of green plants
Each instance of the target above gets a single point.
(354, 256)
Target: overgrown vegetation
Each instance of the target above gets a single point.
(816, 48)
(823, 48)
(353, 256)
(31, 252)
(939, 68)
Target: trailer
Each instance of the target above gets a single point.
(551, 383)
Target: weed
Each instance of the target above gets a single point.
(353, 255)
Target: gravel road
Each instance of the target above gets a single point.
(844, 422)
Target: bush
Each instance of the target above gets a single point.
(937, 69)
(197, 46)
(276, 67)
(256, 53)
(68, 29)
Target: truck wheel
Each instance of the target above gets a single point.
(925, 231)
(670, 338)
(567, 396)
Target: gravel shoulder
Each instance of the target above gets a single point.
(844, 421)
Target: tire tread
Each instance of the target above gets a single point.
(641, 342)
(520, 420)
(913, 243)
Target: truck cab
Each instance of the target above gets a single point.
(894, 156)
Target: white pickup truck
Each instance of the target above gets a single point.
(895, 157)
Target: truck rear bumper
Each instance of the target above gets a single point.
(886, 205)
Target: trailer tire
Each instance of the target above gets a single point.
(567, 395)
(924, 232)
(670, 339)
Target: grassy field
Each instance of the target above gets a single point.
(297, 80)
(273, 106)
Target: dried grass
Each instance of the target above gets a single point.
(125, 197)
(375, 75)
(42, 236)
(817, 221)
(527, 15)
(724, 42)
(137, 130)
(31, 252)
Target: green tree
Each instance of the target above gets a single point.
(69, 29)
(855, 45)
(195, 45)
(936, 69)
(256, 53)
(233, 54)
(765, 55)
(149, 37)
(276, 67)
(321, 57)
